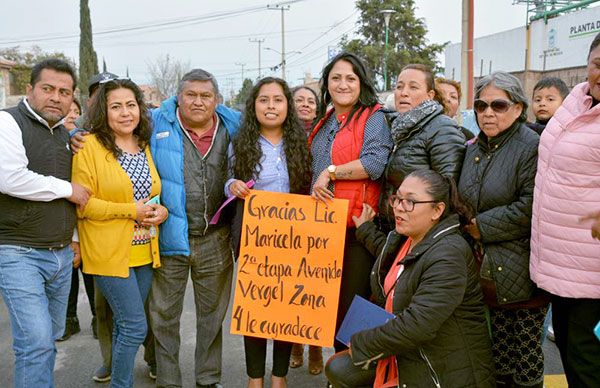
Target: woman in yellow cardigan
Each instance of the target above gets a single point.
(117, 228)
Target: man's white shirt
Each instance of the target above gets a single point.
(16, 179)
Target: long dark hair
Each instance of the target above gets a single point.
(97, 119)
(443, 189)
(247, 150)
(367, 96)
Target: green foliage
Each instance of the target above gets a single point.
(21, 75)
(21, 72)
(244, 93)
(406, 39)
(88, 61)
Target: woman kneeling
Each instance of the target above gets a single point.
(429, 282)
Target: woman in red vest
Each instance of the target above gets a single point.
(350, 144)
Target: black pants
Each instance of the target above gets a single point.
(342, 373)
(356, 278)
(256, 352)
(574, 321)
(517, 344)
(88, 281)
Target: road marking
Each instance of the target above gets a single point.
(555, 381)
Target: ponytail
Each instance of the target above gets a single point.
(456, 204)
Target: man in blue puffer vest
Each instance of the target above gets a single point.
(189, 145)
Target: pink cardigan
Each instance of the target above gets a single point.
(565, 259)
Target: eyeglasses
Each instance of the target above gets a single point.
(499, 106)
(408, 205)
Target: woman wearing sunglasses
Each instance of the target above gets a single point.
(497, 181)
(430, 283)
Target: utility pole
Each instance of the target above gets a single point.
(231, 92)
(259, 41)
(466, 74)
(242, 65)
(283, 8)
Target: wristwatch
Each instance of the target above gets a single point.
(331, 169)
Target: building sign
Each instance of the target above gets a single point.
(557, 43)
(590, 28)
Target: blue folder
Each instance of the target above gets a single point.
(362, 315)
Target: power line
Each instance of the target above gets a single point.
(311, 54)
(303, 59)
(259, 41)
(335, 25)
(156, 25)
(196, 40)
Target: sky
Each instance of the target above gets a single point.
(214, 35)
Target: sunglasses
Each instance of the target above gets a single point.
(498, 106)
(106, 80)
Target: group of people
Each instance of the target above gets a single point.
(465, 239)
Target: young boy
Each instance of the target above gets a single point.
(548, 94)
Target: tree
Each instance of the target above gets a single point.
(21, 72)
(88, 62)
(244, 93)
(406, 41)
(166, 73)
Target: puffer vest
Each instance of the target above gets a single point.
(345, 148)
(39, 224)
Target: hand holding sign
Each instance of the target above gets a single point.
(290, 268)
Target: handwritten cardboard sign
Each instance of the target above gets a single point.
(289, 268)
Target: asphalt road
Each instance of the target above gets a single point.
(78, 357)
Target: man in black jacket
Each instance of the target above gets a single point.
(37, 218)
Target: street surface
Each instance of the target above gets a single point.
(78, 357)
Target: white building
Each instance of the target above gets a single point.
(557, 47)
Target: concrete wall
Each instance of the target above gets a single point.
(502, 51)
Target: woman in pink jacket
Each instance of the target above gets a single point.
(565, 254)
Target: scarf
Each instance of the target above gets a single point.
(386, 374)
(404, 124)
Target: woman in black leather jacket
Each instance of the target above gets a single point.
(423, 136)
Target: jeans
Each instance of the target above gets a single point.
(342, 373)
(547, 323)
(35, 286)
(126, 297)
(211, 268)
(105, 332)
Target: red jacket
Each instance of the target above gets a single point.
(346, 147)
